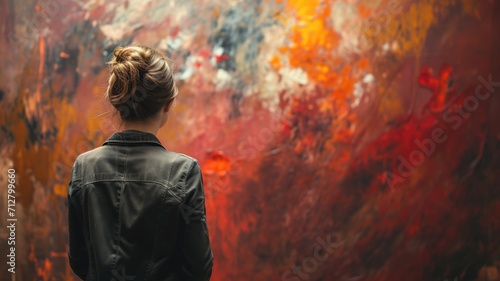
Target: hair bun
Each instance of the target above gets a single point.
(120, 54)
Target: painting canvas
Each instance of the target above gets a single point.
(338, 139)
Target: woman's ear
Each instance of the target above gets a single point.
(164, 117)
(168, 106)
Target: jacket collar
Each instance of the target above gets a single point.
(132, 138)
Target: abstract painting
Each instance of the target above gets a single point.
(338, 139)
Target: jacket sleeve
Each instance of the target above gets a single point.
(77, 253)
(196, 256)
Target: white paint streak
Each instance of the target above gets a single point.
(138, 13)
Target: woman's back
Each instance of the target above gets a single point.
(140, 212)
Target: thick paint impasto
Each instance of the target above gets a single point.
(339, 140)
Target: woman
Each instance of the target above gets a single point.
(136, 210)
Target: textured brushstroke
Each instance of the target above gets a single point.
(308, 118)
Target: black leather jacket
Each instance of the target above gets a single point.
(137, 212)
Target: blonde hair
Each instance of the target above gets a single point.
(141, 82)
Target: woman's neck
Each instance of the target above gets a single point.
(151, 127)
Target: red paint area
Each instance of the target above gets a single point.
(439, 84)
